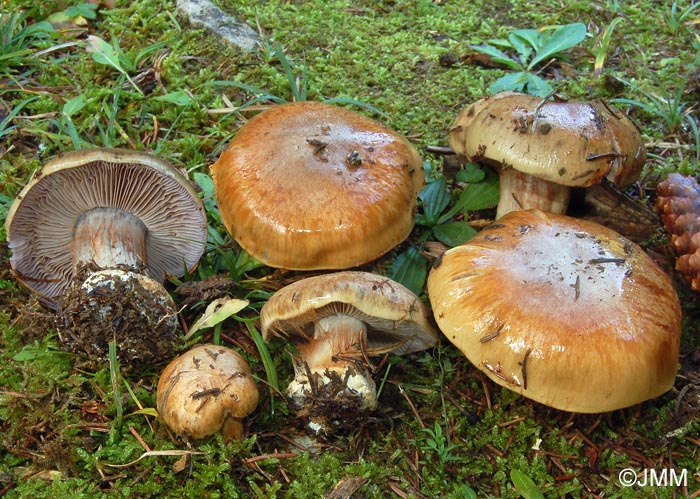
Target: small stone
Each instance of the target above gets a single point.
(203, 13)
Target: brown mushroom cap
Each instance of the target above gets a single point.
(566, 143)
(207, 389)
(41, 222)
(563, 311)
(394, 316)
(309, 185)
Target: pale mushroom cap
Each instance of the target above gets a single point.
(570, 143)
(41, 221)
(203, 389)
(310, 186)
(563, 311)
(394, 315)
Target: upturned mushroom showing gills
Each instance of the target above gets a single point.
(308, 185)
(94, 235)
(205, 390)
(562, 311)
(541, 148)
(336, 321)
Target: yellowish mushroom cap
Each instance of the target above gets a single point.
(207, 389)
(563, 311)
(571, 143)
(394, 316)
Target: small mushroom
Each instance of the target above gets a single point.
(94, 234)
(541, 148)
(205, 390)
(308, 185)
(563, 311)
(336, 322)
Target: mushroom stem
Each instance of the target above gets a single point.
(109, 238)
(520, 191)
(330, 368)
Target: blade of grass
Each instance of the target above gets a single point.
(268, 364)
(115, 433)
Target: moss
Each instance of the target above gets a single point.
(408, 59)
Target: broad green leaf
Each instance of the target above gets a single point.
(497, 56)
(512, 81)
(561, 39)
(435, 197)
(530, 37)
(475, 197)
(410, 268)
(74, 105)
(526, 42)
(205, 183)
(525, 485)
(216, 312)
(536, 85)
(103, 53)
(471, 172)
(454, 233)
(179, 98)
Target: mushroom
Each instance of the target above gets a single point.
(205, 390)
(562, 311)
(541, 148)
(308, 185)
(336, 321)
(94, 234)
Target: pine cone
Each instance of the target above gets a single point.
(678, 202)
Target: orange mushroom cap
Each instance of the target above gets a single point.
(308, 185)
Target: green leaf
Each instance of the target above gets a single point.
(410, 268)
(179, 98)
(513, 81)
(216, 312)
(73, 106)
(563, 38)
(497, 56)
(205, 183)
(104, 53)
(525, 485)
(454, 233)
(526, 42)
(435, 197)
(244, 262)
(536, 85)
(475, 197)
(471, 173)
(532, 37)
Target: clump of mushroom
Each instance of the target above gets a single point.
(678, 202)
(563, 311)
(308, 185)
(541, 148)
(336, 322)
(207, 389)
(94, 235)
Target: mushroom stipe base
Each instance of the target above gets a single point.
(118, 305)
(327, 402)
